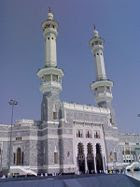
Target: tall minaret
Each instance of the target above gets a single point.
(50, 75)
(102, 87)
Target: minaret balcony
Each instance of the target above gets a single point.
(104, 83)
(50, 26)
(50, 30)
(49, 86)
(50, 70)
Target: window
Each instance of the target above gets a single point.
(79, 134)
(14, 158)
(55, 157)
(48, 38)
(54, 115)
(88, 134)
(97, 134)
(68, 154)
(55, 78)
(48, 77)
(111, 156)
(22, 158)
(19, 138)
(115, 156)
(96, 42)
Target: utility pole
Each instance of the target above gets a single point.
(12, 103)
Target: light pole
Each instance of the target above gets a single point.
(12, 103)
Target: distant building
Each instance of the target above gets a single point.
(69, 137)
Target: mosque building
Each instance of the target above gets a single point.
(70, 137)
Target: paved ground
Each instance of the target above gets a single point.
(101, 180)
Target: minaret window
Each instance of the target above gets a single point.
(48, 77)
(55, 114)
(97, 53)
(48, 38)
(52, 38)
(96, 42)
(100, 43)
(55, 77)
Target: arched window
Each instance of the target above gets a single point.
(88, 134)
(79, 134)
(55, 157)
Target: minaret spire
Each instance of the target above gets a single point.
(50, 74)
(102, 87)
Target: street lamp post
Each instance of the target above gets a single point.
(12, 103)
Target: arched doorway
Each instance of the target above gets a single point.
(90, 158)
(19, 157)
(99, 161)
(81, 158)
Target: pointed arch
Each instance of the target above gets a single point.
(81, 157)
(90, 158)
(99, 161)
(19, 157)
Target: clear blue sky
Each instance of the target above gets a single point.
(22, 53)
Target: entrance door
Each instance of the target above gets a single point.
(81, 158)
(90, 158)
(99, 161)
